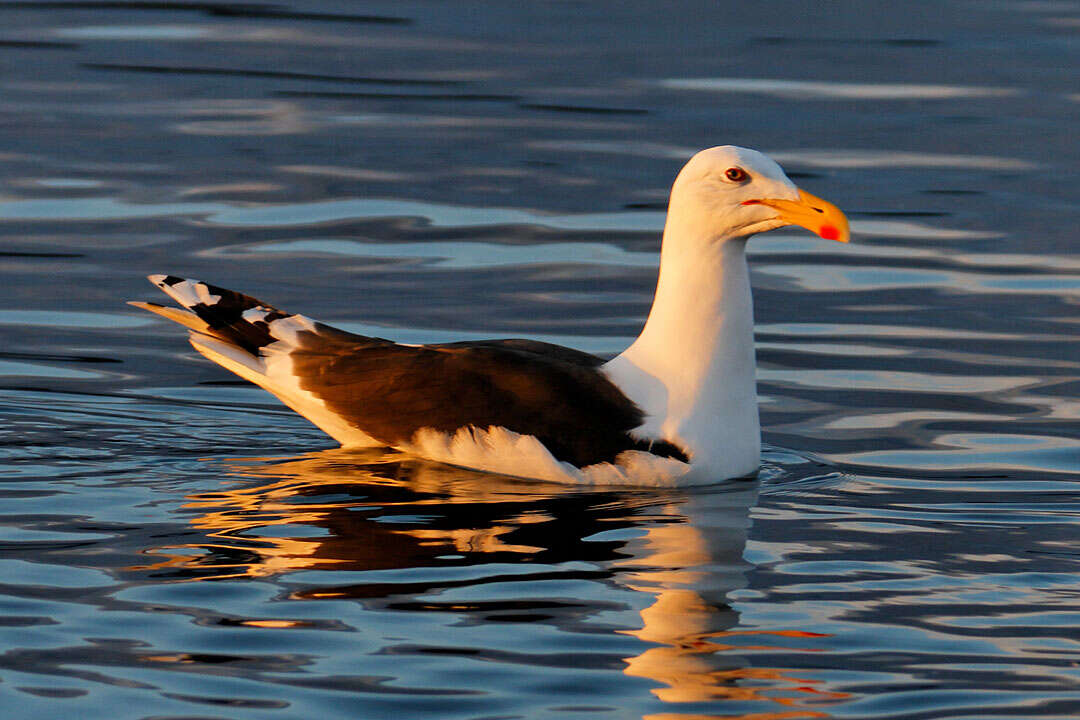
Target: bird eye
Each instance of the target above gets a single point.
(736, 174)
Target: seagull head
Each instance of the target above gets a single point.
(736, 192)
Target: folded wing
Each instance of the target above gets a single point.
(366, 391)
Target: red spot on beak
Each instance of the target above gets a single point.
(829, 232)
(751, 202)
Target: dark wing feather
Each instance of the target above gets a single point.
(390, 391)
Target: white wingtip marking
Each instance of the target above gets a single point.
(187, 292)
(203, 293)
(255, 314)
(288, 329)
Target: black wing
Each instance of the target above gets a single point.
(390, 391)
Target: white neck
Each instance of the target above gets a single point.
(692, 368)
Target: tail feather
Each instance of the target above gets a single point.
(256, 370)
(187, 319)
(231, 316)
(256, 341)
(231, 358)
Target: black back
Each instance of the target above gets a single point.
(555, 393)
(389, 391)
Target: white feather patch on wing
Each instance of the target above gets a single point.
(503, 451)
(188, 293)
(288, 329)
(255, 314)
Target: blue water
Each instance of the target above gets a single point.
(174, 544)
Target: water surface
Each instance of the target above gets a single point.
(175, 544)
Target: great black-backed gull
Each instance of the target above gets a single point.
(679, 406)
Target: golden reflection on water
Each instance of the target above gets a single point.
(374, 510)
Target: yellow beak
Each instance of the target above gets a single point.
(813, 213)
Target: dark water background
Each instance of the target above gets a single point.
(175, 545)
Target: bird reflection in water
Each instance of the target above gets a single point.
(376, 510)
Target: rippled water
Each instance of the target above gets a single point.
(174, 544)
